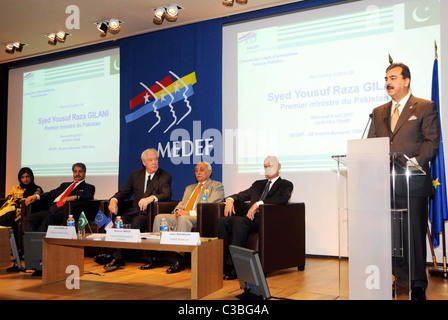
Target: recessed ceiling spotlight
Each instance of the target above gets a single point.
(171, 13)
(55, 37)
(227, 3)
(159, 15)
(102, 27)
(114, 25)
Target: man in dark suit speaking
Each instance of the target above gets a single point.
(273, 189)
(55, 199)
(412, 124)
(146, 185)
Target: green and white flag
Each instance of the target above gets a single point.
(82, 221)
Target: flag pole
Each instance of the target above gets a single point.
(443, 271)
(431, 246)
(440, 272)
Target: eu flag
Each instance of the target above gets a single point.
(100, 218)
(438, 205)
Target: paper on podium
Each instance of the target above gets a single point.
(150, 235)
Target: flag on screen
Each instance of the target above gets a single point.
(82, 221)
(100, 219)
(438, 204)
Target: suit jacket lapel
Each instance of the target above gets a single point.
(386, 117)
(78, 185)
(274, 186)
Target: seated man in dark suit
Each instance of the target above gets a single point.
(184, 215)
(146, 185)
(55, 199)
(273, 189)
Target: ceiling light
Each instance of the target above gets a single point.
(102, 27)
(61, 36)
(18, 46)
(13, 47)
(9, 48)
(171, 13)
(227, 3)
(55, 37)
(114, 26)
(52, 39)
(159, 14)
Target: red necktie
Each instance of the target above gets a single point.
(66, 193)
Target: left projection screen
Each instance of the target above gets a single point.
(63, 112)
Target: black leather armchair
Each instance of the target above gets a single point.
(281, 237)
(90, 208)
(161, 207)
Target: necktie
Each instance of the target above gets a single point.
(66, 193)
(193, 198)
(148, 181)
(395, 116)
(265, 191)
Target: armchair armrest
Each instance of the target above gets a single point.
(282, 235)
(159, 207)
(122, 206)
(208, 215)
(163, 207)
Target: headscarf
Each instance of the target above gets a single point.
(30, 188)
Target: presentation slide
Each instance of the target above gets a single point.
(65, 111)
(71, 112)
(305, 84)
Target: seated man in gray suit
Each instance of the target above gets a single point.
(183, 217)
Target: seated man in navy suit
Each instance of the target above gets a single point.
(273, 190)
(55, 199)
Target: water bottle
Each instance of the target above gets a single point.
(205, 196)
(163, 225)
(70, 221)
(118, 223)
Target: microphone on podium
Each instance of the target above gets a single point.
(368, 121)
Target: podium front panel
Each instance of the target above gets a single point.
(369, 225)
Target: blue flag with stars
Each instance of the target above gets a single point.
(438, 205)
(100, 218)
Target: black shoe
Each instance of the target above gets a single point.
(176, 267)
(152, 263)
(114, 265)
(103, 259)
(418, 294)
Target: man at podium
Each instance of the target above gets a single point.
(412, 124)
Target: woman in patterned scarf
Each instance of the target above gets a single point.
(10, 210)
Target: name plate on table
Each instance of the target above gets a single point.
(183, 238)
(123, 235)
(61, 232)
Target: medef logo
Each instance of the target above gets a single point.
(164, 93)
(28, 78)
(247, 38)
